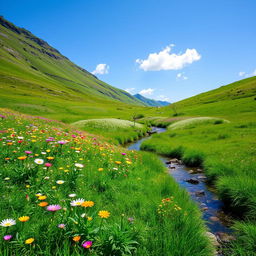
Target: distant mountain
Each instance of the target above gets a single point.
(35, 77)
(151, 102)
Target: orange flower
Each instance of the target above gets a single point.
(24, 218)
(43, 204)
(22, 157)
(104, 214)
(76, 238)
(87, 204)
(118, 162)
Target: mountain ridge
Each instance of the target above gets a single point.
(151, 102)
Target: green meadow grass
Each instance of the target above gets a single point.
(223, 145)
(149, 213)
(120, 131)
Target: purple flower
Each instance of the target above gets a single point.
(50, 139)
(123, 154)
(87, 244)
(62, 142)
(62, 226)
(53, 207)
(7, 237)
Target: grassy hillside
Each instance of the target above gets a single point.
(217, 130)
(66, 192)
(37, 79)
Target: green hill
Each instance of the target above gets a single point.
(151, 102)
(38, 79)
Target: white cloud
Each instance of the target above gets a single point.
(181, 76)
(130, 90)
(163, 98)
(146, 92)
(244, 74)
(165, 60)
(101, 69)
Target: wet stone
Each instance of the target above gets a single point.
(200, 193)
(214, 218)
(192, 181)
(224, 237)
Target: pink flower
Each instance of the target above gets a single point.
(62, 226)
(62, 142)
(47, 164)
(87, 244)
(7, 237)
(53, 207)
(123, 154)
(28, 152)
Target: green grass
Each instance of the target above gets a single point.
(129, 185)
(223, 143)
(120, 131)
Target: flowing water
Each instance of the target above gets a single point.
(217, 221)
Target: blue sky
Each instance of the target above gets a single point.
(214, 41)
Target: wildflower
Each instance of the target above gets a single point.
(72, 195)
(89, 218)
(62, 142)
(76, 238)
(27, 186)
(28, 152)
(128, 162)
(118, 162)
(47, 164)
(50, 157)
(104, 214)
(100, 169)
(7, 237)
(53, 187)
(39, 161)
(7, 178)
(79, 165)
(48, 150)
(43, 204)
(22, 157)
(87, 244)
(42, 197)
(87, 204)
(77, 202)
(62, 226)
(60, 182)
(7, 222)
(24, 218)
(29, 241)
(53, 207)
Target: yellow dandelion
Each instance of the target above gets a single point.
(24, 218)
(42, 197)
(87, 204)
(104, 214)
(100, 169)
(30, 240)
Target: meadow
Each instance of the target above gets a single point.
(219, 136)
(117, 130)
(66, 192)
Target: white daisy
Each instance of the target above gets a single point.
(77, 202)
(60, 182)
(7, 222)
(79, 165)
(39, 161)
(72, 195)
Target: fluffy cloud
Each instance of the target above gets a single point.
(165, 60)
(146, 92)
(244, 74)
(101, 69)
(130, 90)
(241, 73)
(181, 76)
(163, 98)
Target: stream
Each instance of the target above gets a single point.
(194, 181)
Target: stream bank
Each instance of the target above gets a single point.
(194, 181)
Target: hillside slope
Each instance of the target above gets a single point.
(151, 102)
(34, 72)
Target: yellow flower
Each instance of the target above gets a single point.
(128, 162)
(118, 162)
(27, 186)
(100, 169)
(104, 214)
(53, 187)
(30, 241)
(87, 204)
(22, 157)
(76, 238)
(89, 218)
(42, 197)
(36, 154)
(48, 150)
(24, 218)
(50, 157)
